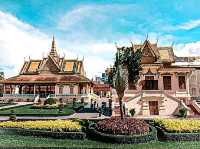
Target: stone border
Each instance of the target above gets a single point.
(43, 133)
(163, 135)
(129, 139)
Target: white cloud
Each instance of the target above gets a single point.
(188, 49)
(190, 25)
(19, 39)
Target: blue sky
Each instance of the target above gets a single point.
(90, 28)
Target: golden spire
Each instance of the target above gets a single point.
(53, 51)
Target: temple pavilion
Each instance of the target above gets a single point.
(53, 75)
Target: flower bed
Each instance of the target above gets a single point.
(179, 125)
(128, 130)
(50, 128)
(178, 129)
(128, 126)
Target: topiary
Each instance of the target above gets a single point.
(50, 101)
(183, 112)
(132, 112)
(12, 116)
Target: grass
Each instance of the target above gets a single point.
(27, 110)
(29, 141)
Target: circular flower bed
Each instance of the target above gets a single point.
(128, 130)
(127, 126)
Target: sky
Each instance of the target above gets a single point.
(89, 29)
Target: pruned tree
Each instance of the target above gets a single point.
(125, 56)
(120, 88)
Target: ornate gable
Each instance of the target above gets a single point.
(50, 66)
(148, 54)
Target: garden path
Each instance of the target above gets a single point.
(75, 115)
(16, 105)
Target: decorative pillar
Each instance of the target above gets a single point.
(34, 89)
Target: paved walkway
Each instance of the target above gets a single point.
(75, 115)
(16, 105)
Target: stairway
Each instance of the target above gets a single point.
(198, 101)
(193, 109)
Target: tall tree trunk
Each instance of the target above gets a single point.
(121, 108)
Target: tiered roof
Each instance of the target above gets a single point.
(51, 69)
(165, 54)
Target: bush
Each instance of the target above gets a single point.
(50, 101)
(61, 107)
(183, 112)
(12, 116)
(43, 133)
(169, 136)
(111, 138)
(54, 106)
(127, 126)
(132, 111)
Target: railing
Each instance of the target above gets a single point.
(66, 95)
(156, 93)
(18, 95)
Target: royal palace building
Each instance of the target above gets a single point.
(166, 83)
(51, 76)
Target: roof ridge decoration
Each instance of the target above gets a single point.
(147, 43)
(53, 51)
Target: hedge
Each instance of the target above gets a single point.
(94, 134)
(163, 135)
(43, 133)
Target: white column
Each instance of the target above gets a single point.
(34, 89)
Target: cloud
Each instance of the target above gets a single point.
(188, 49)
(19, 39)
(190, 25)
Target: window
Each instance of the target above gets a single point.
(150, 83)
(167, 82)
(71, 88)
(181, 82)
(60, 89)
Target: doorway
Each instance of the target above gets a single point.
(153, 108)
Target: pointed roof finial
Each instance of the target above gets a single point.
(83, 58)
(172, 44)
(157, 40)
(116, 45)
(147, 36)
(53, 51)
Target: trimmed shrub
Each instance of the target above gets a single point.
(12, 116)
(61, 107)
(132, 111)
(111, 138)
(54, 106)
(169, 136)
(127, 126)
(183, 112)
(43, 133)
(50, 101)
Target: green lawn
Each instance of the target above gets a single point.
(24, 141)
(27, 110)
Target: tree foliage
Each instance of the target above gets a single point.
(129, 58)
